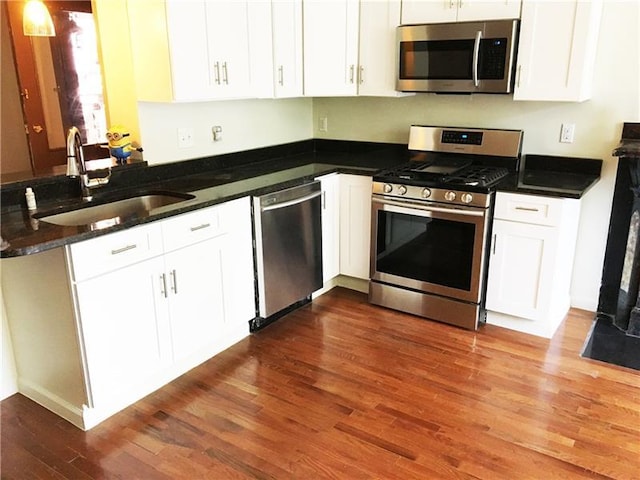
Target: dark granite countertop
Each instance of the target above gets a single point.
(218, 179)
(553, 176)
(210, 181)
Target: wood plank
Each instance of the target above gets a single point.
(343, 389)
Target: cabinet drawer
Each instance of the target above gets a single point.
(103, 254)
(193, 227)
(531, 209)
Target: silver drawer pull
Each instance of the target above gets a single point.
(123, 249)
(200, 227)
(527, 209)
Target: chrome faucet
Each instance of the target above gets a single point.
(76, 166)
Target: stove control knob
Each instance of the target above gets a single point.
(450, 196)
(387, 188)
(402, 189)
(426, 193)
(466, 197)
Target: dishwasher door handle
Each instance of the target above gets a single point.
(289, 203)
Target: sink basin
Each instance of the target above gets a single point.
(112, 213)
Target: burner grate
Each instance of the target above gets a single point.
(478, 175)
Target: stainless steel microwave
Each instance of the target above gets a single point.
(463, 57)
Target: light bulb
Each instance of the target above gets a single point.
(36, 20)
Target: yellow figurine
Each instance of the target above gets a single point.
(120, 146)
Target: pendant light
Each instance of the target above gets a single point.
(36, 20)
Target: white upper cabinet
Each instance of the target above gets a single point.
(377, 52)
(330, 47)
(557, 50)
(287, 47)
(188, 51)
(227, 33)
(442, 11)
(349, 47)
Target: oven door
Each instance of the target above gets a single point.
(432, 249)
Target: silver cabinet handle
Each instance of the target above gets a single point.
(174, 281)
(281, 75)
(324, 200)
(163, 285)
(527, 209)
(351, 73)
(200, 227)
(493, 249)
(225, 73)
(518, 75)
(123, 249)
(361, 75)
(216, 73)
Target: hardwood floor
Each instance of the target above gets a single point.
(342, 389)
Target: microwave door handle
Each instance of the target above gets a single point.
(476, 57)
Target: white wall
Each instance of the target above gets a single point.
(246, 124)
(616, 99)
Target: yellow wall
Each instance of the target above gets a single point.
(117, 64)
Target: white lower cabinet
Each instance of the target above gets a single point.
(355, 225)
(330, 226)
(531, 260)
(138, 308)
(123, 339)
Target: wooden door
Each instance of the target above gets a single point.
(50, 88)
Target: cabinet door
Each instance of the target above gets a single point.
(444, 11)
(228, 43)
(471, 10)
(194, 289)
(330, 226)
(556, 51)
(124, 330)
(355, 225)
(521, 269)
(330, 47)
(287, 47)
(192, 73)
(421, 11)
(238, 280)
(377, 59)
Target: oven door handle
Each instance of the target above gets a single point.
(426, 208)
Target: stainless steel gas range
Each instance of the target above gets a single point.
(431, 221)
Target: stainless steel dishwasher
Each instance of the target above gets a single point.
(288, 239)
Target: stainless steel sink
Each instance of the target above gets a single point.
(115, 212)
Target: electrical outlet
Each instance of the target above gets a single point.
(323, 124)
(567, 132)
(217, 133)
(185, 137)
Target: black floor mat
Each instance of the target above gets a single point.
(609, 344)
